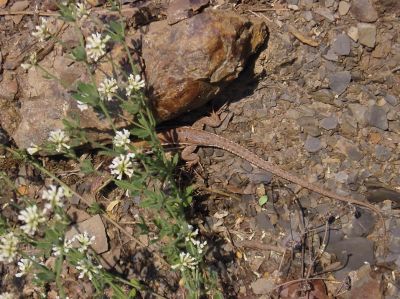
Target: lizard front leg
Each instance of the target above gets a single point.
(214, 120)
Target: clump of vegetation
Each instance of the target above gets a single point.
(37, 241)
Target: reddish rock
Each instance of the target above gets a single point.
(189, 62)
(179, 10)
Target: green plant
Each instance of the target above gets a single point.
(148, 176)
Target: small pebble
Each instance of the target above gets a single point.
(367, 34)
(382, 153)
(339, 81)
(343, 8)
(329, 123)
(342, 45)
(363, 11)
(376, 117)
(353, 33)
(392, 100)
(312, 144)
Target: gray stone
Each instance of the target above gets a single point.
(392, 100)
(329, 123)
(342, 45)
(343, 8)
(309, 125)
(376, 117)
(352, 253)
(382, 153)
(331, 55)
(94, 227)
(312, 144)
(262, 286)
(260, 177)
(363, 11)
(359, 112)
(263, 222)
(361, 226)
(246, 166)
(339, 81)
(367, 34)
(353, 33)
(326, 13)
(347, 147)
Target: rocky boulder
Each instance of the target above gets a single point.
(189, 62)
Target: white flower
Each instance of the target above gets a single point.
(87, 268)
(54, 195)
(84, 241)
(96, 46)
(122, 165)
(82, 106)
(33, 149)
(32, 61)
(199, 245)
(32, 218)
(65, 248)
(59, 138)
(24, 266)
(107, 88)
(135, 83)
(7, 295)
(185, 261)
(80, 10)
(121, 139)
(8, 247)
(192, 234)
(42, 31)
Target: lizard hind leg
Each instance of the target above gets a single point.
(190, 156)
(214, 120)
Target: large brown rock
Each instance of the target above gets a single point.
(189, 62)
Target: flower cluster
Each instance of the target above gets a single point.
(32, 218)
(122, 165)
(33, 149)
(121, 139)
(185, 261)
(42, 31)
(65, 248)
(135, 83)
(191, 238)
(54, 195)
(84, 241)
(8, 247)
(80, 11)
(24, 266)
(82, 106)
(96, 46)
(86, 267)
(60, 140)
(108, 88)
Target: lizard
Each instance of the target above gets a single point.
(194, 136)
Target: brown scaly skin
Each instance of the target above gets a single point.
(192, 137)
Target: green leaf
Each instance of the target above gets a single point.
(79, 53)
(263, 200)
(116, 30)
(95, 209)
(46, 275)
(86, 93)
(140, 133)
(131, 107)
(87, 166)
(66, 13)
